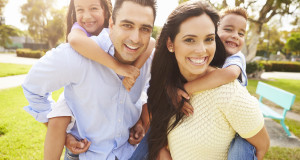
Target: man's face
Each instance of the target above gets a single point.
(131, 31)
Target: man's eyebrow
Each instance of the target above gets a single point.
(130, 22)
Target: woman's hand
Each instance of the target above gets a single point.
(76, 146)
(164, 154)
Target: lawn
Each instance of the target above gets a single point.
(21, 136)
(9, 69)
(292, 86)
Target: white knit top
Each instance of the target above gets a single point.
(218, 114)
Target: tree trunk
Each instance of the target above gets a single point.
(251, 49)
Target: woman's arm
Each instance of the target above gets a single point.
(261, 141)
(213, 79)
(89, 49)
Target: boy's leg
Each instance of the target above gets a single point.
(241, 149)
(141, 151)
(55, 137)
(70, 156)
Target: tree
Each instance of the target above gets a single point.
(6, 31)
(45, 23)
(293, 43)
(55, 27)
(2, 5)
(260, 14)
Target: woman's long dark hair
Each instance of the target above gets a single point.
(166, 77)
(71, 15)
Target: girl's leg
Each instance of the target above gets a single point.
(55, 137)
(241, 149)
(141, 151)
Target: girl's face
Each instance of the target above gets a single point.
(90, 15)
(194, 46)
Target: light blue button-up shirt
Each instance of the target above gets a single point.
(103, 108)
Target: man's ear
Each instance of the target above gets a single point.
(111, 23)
(170, 45)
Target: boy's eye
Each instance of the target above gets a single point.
(241, 34)
(228, 29)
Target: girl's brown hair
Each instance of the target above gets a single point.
(71, 16)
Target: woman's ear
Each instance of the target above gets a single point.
(170, 45)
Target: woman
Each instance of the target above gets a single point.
(189, 48)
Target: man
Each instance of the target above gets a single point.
(104, 110)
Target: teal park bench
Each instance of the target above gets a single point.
(278, 96)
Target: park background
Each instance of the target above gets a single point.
(31, 27)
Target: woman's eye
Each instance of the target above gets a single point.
(210, 39)
(189, 40)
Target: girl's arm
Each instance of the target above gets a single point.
(89, 49)
(145, 55)
(261, 141)
(213, 79)
(128, 82)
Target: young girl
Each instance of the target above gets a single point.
(86, 18)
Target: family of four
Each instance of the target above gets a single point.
(123, 99)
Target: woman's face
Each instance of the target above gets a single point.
(194, 46)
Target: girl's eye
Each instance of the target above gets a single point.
(94, 8)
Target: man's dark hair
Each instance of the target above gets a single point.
(146, 3)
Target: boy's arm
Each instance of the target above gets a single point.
(213, 79)
(90, 49)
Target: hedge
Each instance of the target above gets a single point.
(281, 66)
(25, 52)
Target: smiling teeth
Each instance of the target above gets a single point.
(197, 60)
(231, 44)
(131, 47)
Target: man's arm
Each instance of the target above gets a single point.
(213, 79)
(50, 73)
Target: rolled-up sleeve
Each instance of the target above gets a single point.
(50, 73)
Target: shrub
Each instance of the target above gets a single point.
(282, 66)
(25, 52)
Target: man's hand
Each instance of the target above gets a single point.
(137, 132)
(187, 109)
(76, 146)
(164, 154)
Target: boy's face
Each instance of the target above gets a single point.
(231, 31)
(131, 31)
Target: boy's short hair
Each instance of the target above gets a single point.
(234, 10)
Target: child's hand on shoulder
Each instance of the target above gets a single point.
(187, 108)
(128, 83)
(127, 70)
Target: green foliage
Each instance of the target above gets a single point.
(293, 43)
(283, 66)
(281, 153)
(6, 31)
(30, 53)
(24, 136)
(156, 31)
(8, 69)
(253, 67)
(2, 5)
(45, 23)
(182, 1)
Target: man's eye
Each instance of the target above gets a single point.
(146, 30)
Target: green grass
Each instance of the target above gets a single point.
(8, 69)
(281, 153)
(21, 136)
(292, 86)
(294, 126)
